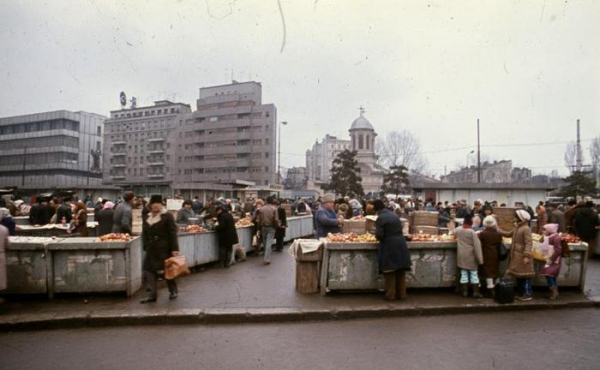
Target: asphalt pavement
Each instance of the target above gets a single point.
(545, 340)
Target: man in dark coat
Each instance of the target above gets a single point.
(105, 219)
(556, 216)
(159, 235)
(585, 222)
(226, 235)
(64, 211)
(280, 232)
(41, 213)
(394, 258)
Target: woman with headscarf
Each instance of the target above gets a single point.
(105, 218)
(7, 221)
(552, 267)
(520, 257)
(490, 243)
(159, 235)
(394, 258)
(80, 219)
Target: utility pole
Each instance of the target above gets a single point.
(579, 160)
(478, 155)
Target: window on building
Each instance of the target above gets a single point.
(360, 142)
(213, 119)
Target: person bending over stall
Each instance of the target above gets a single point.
(159, 233)
(394, 258)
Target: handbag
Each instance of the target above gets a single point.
(175, 267)
(502, 252)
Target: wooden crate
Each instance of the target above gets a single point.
(424, 218)
(405, 226)
(288, 209)
(358, 227)
(430, 230)
(309, 257)
(505, 218)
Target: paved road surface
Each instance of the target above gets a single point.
(545, 340)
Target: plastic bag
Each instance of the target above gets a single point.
(542, 251)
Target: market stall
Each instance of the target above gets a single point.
(351, 265)
(51, 230)
(73, 265)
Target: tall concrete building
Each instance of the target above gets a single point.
(139, 146)
(52, 150)
(230, 139)
(319, 159)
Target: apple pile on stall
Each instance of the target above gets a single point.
(244, 222)
(195, 229)
(115, 237)
(570, 238)
(351, 238)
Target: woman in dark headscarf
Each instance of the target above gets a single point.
(394, 258)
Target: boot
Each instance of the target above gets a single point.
(401, 285)
(553, 293)
(464, 290)
(476, 293)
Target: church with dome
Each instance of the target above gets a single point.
(319, 159)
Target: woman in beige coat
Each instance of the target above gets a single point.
(469, 257)
(520, 258)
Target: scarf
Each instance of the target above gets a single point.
(155, 218)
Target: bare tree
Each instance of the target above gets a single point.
(571, 156)
(401, 148)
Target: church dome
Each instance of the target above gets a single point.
(361, 123)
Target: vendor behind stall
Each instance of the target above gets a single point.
(394, 258)
(326, 220)
(185, 213)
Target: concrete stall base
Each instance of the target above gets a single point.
(354, 267)
(49, 265)
(73, 265)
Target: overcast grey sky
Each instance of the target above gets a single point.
(527, 69)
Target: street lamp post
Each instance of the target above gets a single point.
(471, 152)
(279, 152)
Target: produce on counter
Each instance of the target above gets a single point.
(351, 238)
(358, 218)
(422, 238)
(506, 240)
(244, 222)
(115, 238)
(195, 229)
(570, 238)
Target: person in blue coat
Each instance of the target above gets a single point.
(326, 219)
(394, 258)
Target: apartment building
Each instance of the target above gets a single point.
(51, 150)
(319, 159)
(138, 143)
(231, 138)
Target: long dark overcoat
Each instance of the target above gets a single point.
(160, 239)
(226, 232)
(393, 250)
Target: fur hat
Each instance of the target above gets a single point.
(490, 221)
(155, 199)
(327, 198)
(523, 215)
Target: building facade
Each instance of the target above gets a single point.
(319, 159)
(296, 178)
(498, 172)
(231, 137)
(139, 146)
(51, 150)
